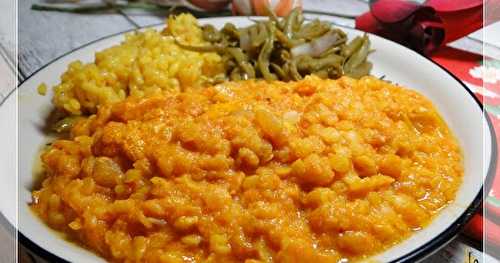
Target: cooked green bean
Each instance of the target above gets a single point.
(283, 39)
(321, 73)
(242, 61)
(213, 48)
(294, 72)
(313, 30)
(335, 73)
(231, 30)
(290, 20)
(359, 56)
(279, 71)
(360, 71)
(65, 124)
(286, 49)
(211, 34)
(260, 36)
(235, 74)
(310, 64)
(299, 20)
(263, 60)
(354, 45)
(333, 50)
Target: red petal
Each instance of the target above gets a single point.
(367, 22)
(392, 11)
(453, 5)
(427, 36)
(461, 23)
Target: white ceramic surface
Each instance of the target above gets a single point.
(397, 63)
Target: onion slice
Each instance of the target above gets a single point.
(245, 40)
(317, 46)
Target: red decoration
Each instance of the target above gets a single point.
(260, 7)
(424, 27)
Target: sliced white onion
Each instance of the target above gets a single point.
(245, 41)
(302, 49)
(317, 46)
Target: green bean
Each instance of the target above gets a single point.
(212, 48)
(299, 20)
(264, 49)
(279, 71)
(231, 30)
(309, 64)
(228, 60)
(242, 61)
(312, 30)
(211, 34)
(340, 32)
(340, 41)
(294, 72)
(361, 70)
(333, 50)
(274, 18)
(354, 45)
(263, 60)
(359, 56)
(283, 39)
(65, 124)
(290, 21)
(321, 73)
(235, 74)
(302, 62)
(261, 36)
(265, 54)
(217, 79)
(284, 55)
(335, 72)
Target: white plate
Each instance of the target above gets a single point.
(459, 108)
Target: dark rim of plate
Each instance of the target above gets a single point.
(416, 255)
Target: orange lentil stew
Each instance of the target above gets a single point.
(252, 171)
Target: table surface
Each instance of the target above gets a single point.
(44, 36)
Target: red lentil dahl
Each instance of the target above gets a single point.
(309, 171)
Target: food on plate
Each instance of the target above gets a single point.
(186, 55)
(314, 170)
(286, 49)
(145, 62)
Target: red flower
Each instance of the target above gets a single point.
(423, 27)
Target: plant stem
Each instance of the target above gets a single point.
(94, 8)
(98, 7)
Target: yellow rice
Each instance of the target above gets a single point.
(145, 62)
